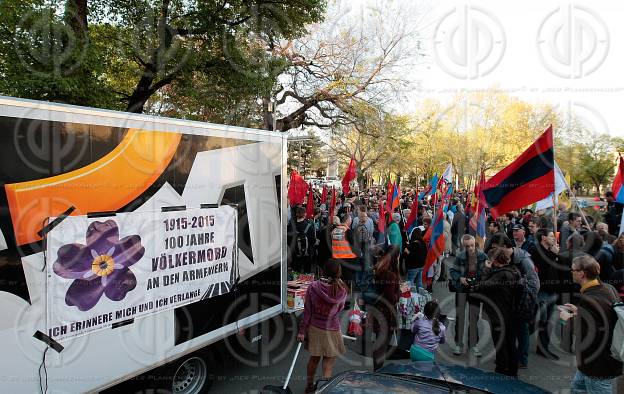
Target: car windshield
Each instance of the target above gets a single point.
(393, 383)
(452, 387)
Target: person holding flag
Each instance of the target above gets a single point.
(615, 199)
(435, 237)
(415, 257)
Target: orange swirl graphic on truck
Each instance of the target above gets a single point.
(104, 185)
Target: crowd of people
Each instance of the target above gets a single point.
(528, 263)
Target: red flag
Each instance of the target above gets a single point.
(332, 206)
(427, 236)
(411, 219)
(348, 177)
(381, 223)
(324, 195)
(310, 203)
(436, 242)
(389, 197)
(297, 188)
(468, 203)
(394, 202)
(530, 178)
(617, 189)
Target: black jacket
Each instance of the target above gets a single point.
(501, 287)
(417, 255)
(595, 322)
(458, 229)
(551, 273)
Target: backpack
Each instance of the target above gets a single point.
(362, 237)
(527, 302)
(617, 343)
(303, 247)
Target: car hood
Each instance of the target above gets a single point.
(466, 376)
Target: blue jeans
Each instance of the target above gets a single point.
(414, 276)
(522, 334)
(546, 307)
(582, 383)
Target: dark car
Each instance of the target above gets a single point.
(425, 377)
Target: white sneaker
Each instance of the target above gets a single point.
(457, 350)
(476, 351)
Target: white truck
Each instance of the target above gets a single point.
(132, 176)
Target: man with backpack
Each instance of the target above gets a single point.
(594, 319)
(305, 240)
(363, 229)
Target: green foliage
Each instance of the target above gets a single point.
(305, 156)
(207, 60)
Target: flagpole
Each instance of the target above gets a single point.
(554, 194)
(577, 205)
(554, 213)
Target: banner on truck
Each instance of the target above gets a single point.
(107, 270)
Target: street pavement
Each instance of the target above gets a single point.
(248, 373)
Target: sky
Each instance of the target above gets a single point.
(568, 54)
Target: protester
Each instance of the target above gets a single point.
(394, 232)
(605, 227)
(428, 332)
(618, 257)
(594, 319)
(363, 230)
(465, 273)
(500, 287)
(519, 239)
(320, 325)
(545, 256)
(533, 225)
(415, 258)
(458, 228)
(493, 228)
(305, 242)
(384, 311)
(528, 302)
(604, 257)
(613, 216)
(573, 225)
(342, 248)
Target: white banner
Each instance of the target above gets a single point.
(102, 271)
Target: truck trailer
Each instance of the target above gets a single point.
(129, 242)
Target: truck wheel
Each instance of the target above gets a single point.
(190, 376)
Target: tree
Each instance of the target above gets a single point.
(126, 52)
(597, 162)
(305, 156)
(483, 130)
(374, 140)
(341, 64)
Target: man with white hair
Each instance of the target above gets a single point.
(394, 232)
